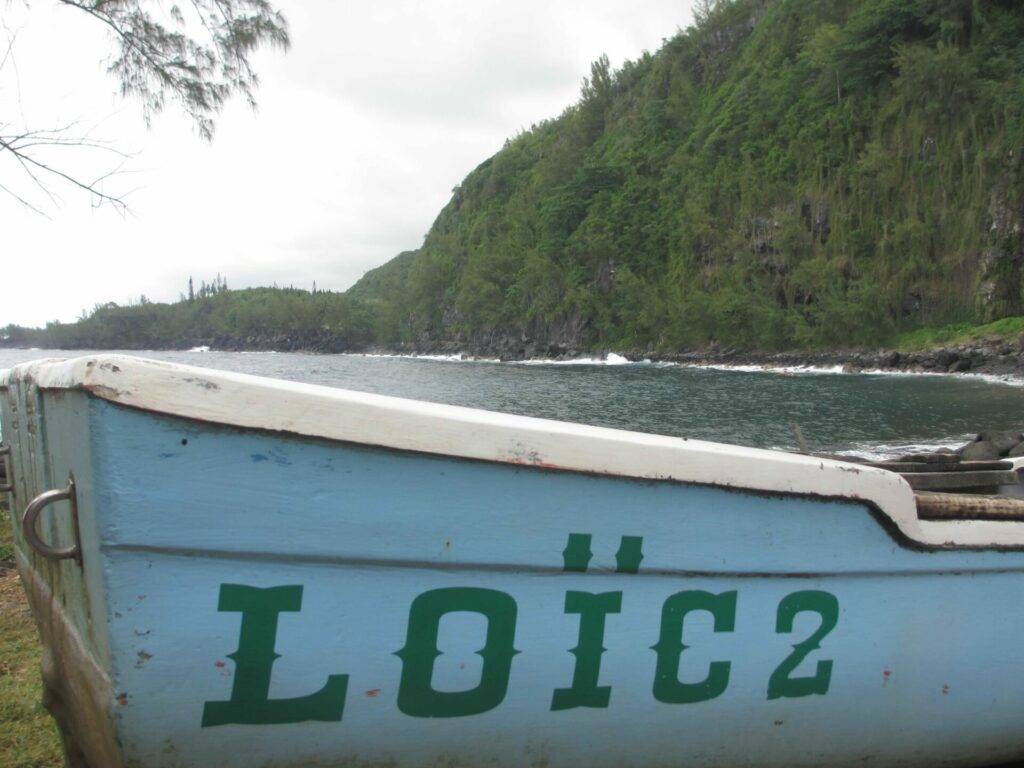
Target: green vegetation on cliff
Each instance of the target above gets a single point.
(786, 173)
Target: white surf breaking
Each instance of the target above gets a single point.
(783, 370)
(615, 359)
(841, 370)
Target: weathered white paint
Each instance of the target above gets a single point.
(304, 409)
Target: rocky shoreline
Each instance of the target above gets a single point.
(993, 360)
(992, 356)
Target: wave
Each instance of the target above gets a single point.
(889, 451)
(614, 359)
(783, 370)
(840, 370)
(886, 451)
(989, 378)
(610, 359)
(458, 357)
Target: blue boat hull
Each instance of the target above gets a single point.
(252, 597)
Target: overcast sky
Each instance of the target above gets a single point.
(378, 110)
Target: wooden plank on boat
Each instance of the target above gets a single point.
(933, 458)
(966, 506)
(921, 466)
(934, 481)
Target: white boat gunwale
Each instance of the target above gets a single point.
(396, 424)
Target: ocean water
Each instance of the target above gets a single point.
(866, 414)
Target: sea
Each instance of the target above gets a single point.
(874, 414)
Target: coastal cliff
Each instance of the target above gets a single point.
(782, 174)
(816, 179)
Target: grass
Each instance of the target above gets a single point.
(960, 333)
(28, 735)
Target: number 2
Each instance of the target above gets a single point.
(781, 684)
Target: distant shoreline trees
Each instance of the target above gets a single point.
(251, 318)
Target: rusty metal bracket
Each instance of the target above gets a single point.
(8, 473)
(31, 516)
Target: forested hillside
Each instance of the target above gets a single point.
(785, 173)
(284, 319)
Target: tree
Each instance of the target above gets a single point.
(702, 11)
(196, 54)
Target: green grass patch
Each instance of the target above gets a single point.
(28, 735)
(960, 333)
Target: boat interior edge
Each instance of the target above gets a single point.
(947, 487)
(967, 506)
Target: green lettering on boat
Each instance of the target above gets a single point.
(593, 610)
(249, 703)
(780, 684)
(670, 646)
(416, 695)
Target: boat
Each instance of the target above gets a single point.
(234, 571)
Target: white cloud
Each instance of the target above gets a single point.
(364, 127)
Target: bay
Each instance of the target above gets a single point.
(865, 414)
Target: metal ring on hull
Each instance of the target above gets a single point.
(31, 516)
